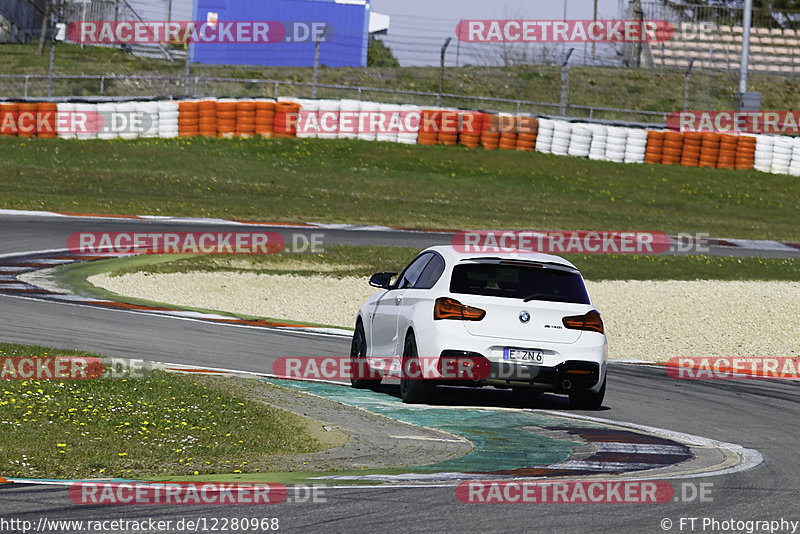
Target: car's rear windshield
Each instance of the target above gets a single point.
(519, 281)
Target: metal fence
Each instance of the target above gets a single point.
(155, 86)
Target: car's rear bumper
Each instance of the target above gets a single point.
(570, 375)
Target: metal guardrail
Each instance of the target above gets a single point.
(191, 84)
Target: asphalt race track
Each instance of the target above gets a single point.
(759, 415)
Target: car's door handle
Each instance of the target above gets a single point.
(398, 299)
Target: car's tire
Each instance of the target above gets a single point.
(358, 356)
(587, 399)
(413, 390)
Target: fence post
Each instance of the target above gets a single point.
(26, 85)
(50, 72)
(441, 79)
(562, 107)
(102, 84)
(316, 61)
(186, 69)
(686, 85)
(277, 85)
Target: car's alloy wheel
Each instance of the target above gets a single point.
(413, 390)
(358, 357)
(587, 399)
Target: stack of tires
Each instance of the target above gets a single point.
(508, 132)
(168, 114)
(709, 150)
(745, 152)
(727, 151)
(207, 118)
(781, 155)
(544, 137)
(245, 118)
(655, 147)
(67, 130)
(410, 131)
(597, 150)
(490, 132)
(448, 132)
(26, 121)
(794, 164)
(580, 142)
(227, 112)
(9, 114)
(636, 145)
(527, 130)
(673, 148)
(366, 129)
(562, 132)
(616, 144)
(692, 147)
(285, 122)
(762, 156)
(349, 111)
(470, 126)
(430, 124)
(189, 118)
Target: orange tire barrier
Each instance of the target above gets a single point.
(46, 118)
(527, 129)
(226, 118)
(246, 119)
(188, 119)
(448, 133)
(690, 155)
(470, 126)
(727, 151)
(654, 151)
(26, 122)
(9, 113)
(745, 153)
(285, 122)
(431, 123)
(673, 148)
(490, 132)
(265, 118)
(709, 150)
(207, 118)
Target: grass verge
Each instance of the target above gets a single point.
(163, 426)
(386, 183)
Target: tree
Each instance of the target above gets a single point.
(380, 55)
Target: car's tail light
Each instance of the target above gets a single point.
(447, 308)
(591, 322)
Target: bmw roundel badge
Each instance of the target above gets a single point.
(524, 317)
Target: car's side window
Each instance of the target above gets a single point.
(412, 272)
(431, 274)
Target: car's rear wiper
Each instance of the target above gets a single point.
(545, 296)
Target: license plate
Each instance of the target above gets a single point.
(523, 355)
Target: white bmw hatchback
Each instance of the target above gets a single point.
(522, 321)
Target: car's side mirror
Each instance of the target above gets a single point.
(382, 280)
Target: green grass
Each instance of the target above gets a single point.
(645, 89)
(392, 184)
(164, 425)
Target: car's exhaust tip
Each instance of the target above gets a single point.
(566, 385)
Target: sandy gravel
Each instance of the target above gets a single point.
(644, 320)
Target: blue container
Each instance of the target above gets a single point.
(345, 44)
